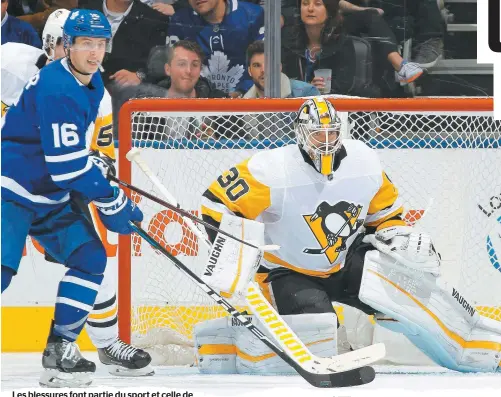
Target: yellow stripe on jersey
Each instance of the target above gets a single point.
(102, 140)
(277, 261)
(217, 216)
(384, 198)
(4, 109)
(391, 222)
(383, 201)
(240, 192)
(386, 219)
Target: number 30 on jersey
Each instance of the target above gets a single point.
(235, 187)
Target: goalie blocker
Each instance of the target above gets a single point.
(232, 265)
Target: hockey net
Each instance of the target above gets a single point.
(444, 155)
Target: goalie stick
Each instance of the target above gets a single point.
(317, 371)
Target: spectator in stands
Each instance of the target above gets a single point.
(224, 29)
(426, 25)
(174, 72)
(368, 21)
(319, 43)
(261, 3)
(136, 29)
(272, 125)
(167, 7)
(289, 88)
(17, 31)
(182, 69)
(36, 12)
(320, 34)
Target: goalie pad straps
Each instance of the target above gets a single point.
(232, 265)
(224, 346)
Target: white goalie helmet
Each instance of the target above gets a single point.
(53, 31)
(318, 132)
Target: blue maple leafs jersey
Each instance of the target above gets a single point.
(224, 44)
(46, 138)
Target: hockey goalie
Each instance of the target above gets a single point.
(337, 218)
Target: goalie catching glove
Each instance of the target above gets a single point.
(116, 212)
(232, 265)
(412, 249)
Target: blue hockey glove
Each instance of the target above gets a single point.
(116, 212)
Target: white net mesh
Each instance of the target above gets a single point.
(446, 167)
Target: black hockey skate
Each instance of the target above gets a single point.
(64, 365)
(122, 359)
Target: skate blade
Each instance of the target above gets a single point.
(55, 379)
(118, 370)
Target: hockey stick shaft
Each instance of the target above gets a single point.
(135, 156)
(184, 213)
(351, 377)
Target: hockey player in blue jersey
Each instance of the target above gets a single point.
(45, 159)
(224, 29)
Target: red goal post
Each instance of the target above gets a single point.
(422, 143)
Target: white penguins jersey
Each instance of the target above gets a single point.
(312, 218)
(20, 62)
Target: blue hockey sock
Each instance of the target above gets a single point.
(75, 299)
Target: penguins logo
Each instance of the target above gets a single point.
(332, 225)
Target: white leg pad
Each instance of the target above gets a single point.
(434, 316)
(223, 346)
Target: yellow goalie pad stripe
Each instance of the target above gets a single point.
(218, 349)
(474, 344)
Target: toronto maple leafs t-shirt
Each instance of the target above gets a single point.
(224, 44)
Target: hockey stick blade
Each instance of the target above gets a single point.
(270, 247)
(331, 379)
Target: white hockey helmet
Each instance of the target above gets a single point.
(53, 31)
(318, 132)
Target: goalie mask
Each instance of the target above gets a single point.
(318, 133)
